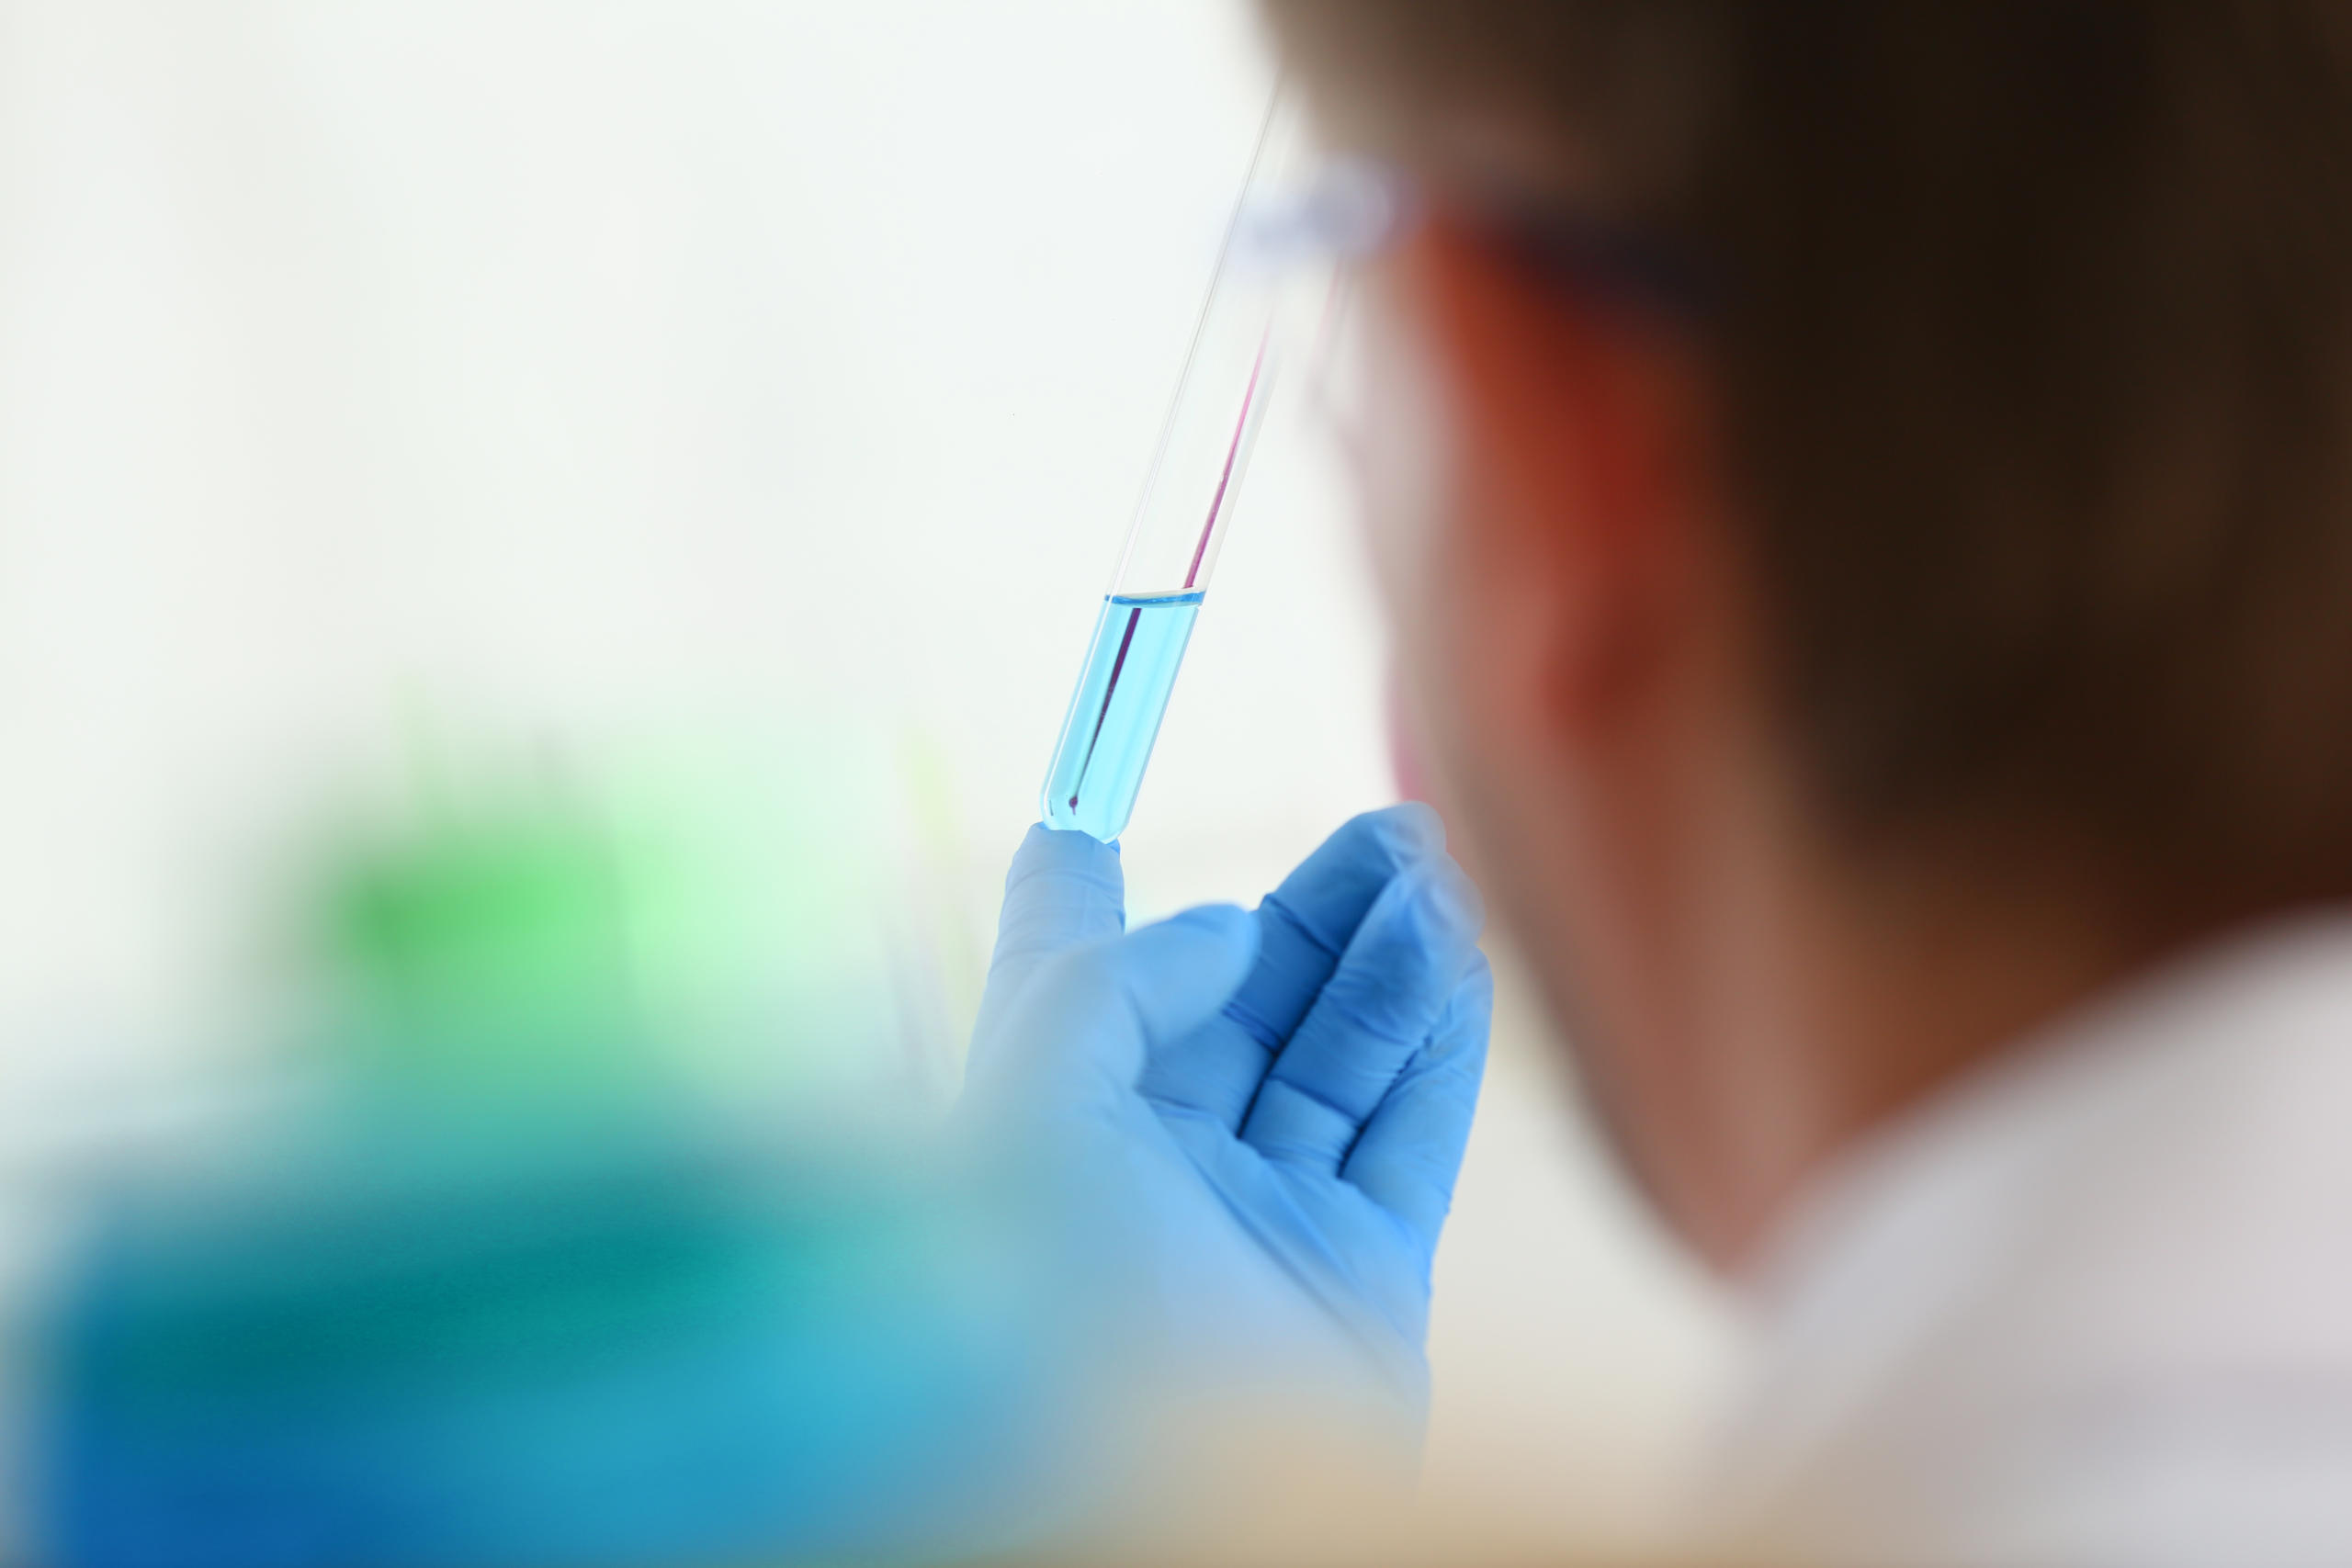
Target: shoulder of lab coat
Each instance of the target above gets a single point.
(2092, 1306)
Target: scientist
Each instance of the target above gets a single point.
(1864, 499)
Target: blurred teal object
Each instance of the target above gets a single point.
(505, 1284)
(429, 1343)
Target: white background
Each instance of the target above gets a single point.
(599, 381)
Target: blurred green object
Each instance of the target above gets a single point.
(738, 929)
(488, 950)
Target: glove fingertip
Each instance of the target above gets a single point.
(1221, 941)
(1179, 970)
(1227, 923)
(1061, 847)
(1078, 859)
(1452, 899)
(1417, 824)
(1477, 983)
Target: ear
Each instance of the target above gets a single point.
(1576, 435)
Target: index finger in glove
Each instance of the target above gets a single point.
(1064, 891)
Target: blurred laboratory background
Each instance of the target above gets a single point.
(665, 459)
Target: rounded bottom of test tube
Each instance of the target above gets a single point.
(1115, 714)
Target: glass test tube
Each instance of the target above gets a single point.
(1264, 304)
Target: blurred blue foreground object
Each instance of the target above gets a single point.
(1257, 1117)
(432, 1345)
(496, 1290)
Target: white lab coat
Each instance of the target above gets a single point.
(2092, 1307)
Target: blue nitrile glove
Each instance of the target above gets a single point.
(1260, 1114)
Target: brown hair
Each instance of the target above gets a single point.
(2035, 345)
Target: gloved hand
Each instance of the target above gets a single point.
(1260, 1114)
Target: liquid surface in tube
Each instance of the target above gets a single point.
(1115, 714)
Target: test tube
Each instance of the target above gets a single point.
(1264, 305)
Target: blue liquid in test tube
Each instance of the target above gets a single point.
(1115, 714)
